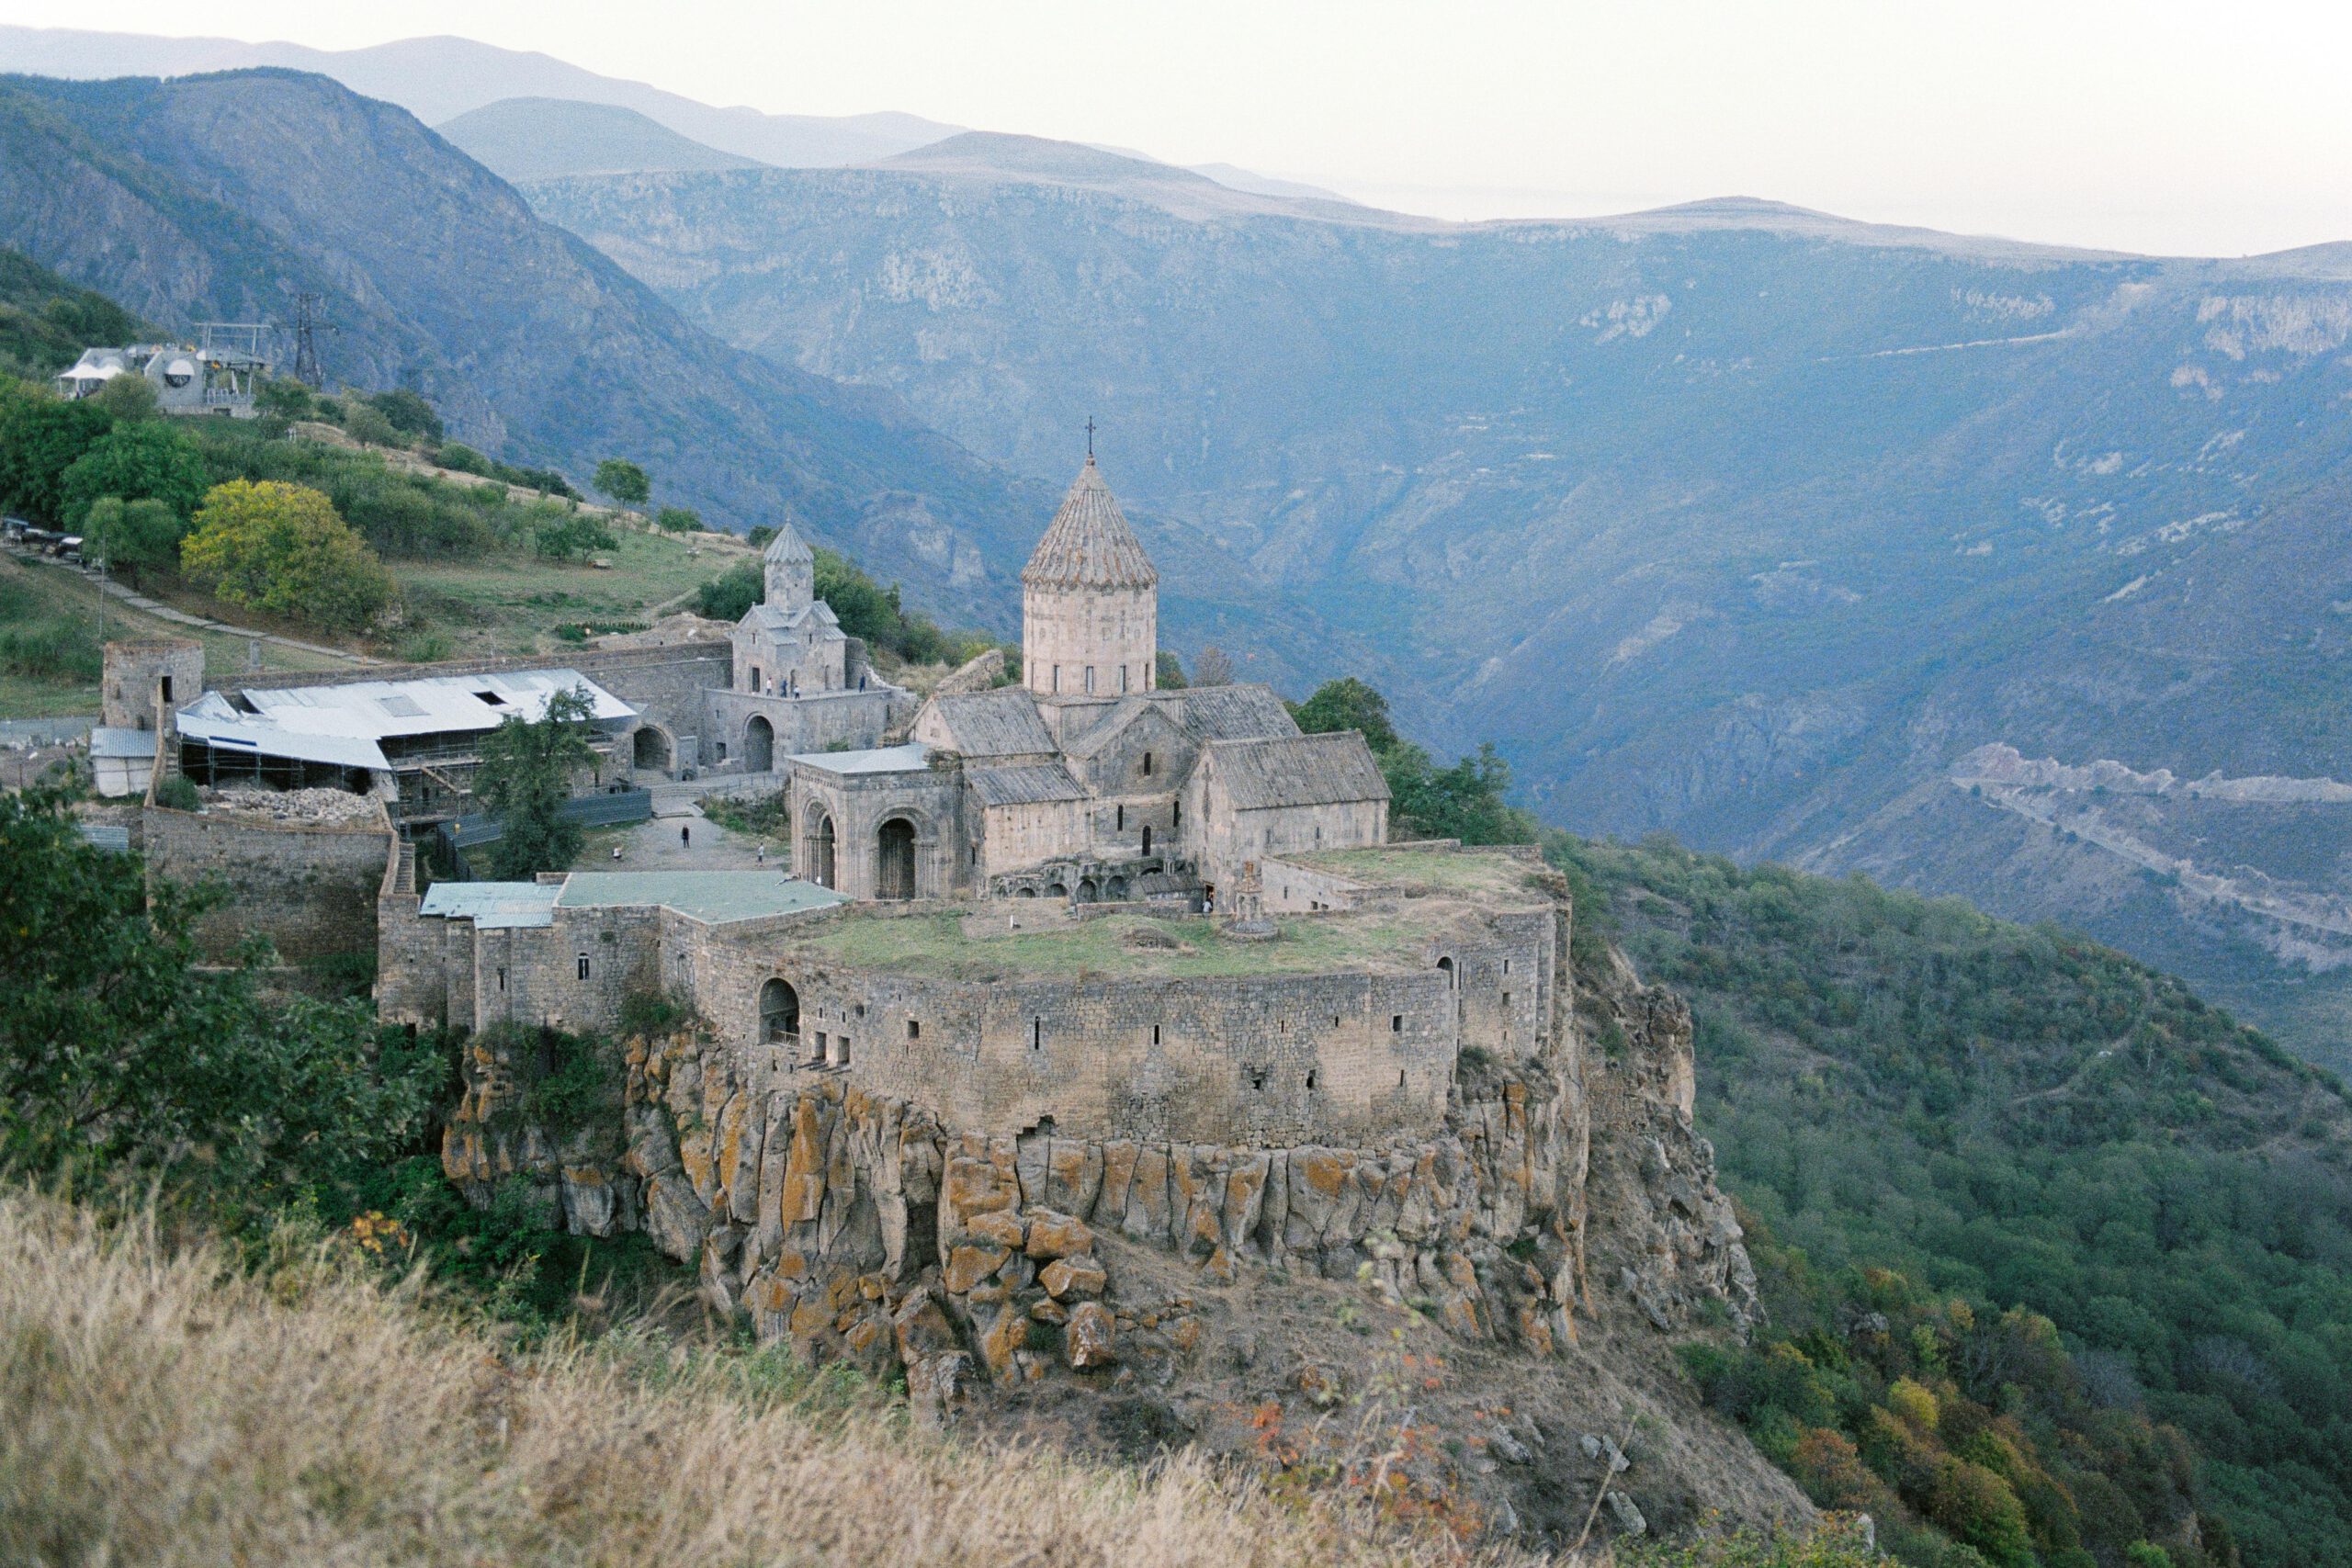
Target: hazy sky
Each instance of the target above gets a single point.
(2208, 127)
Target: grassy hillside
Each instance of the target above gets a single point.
(2015, 1117)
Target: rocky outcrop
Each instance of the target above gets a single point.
(857, 1226)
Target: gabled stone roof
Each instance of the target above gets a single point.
(1035, 783)
(1234, 712)
(776, 618)
(1125, 712)
(1002, 722)
(1295, 770)
(788, 548)
(1089, 544)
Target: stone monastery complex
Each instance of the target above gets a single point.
(1079, 900)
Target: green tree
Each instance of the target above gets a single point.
(408, 412)
(286, 397)
(527, 768)
(142, 536)
(678, 520)
(572, 536)
(458, 457)
(281, 548)
(146, 460)
(364, 422)
(727, 596)
(118, 1047)
(40, 437)
(1348, 704)
(1168, 671)
(624, 482)
(127, 398)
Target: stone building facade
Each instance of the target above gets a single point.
(1087, 783)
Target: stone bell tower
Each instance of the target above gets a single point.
(1089, 601)
(790, 571)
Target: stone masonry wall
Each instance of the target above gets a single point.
(310, 889)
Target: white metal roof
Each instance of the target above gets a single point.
(492, 906)
(912, 757)
(342, 724)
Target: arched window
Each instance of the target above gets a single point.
(779, 1012)
(1445, 967)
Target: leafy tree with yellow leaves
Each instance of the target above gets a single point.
(282, 549)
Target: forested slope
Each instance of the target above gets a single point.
(1916, 1103)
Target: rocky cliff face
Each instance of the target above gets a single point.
(1563, 1225)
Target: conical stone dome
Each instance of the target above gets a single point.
(788, 548)
(1089, 544)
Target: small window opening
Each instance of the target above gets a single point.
(1177, 819)
(1335, 1020)
(841, 1051)
(1147, 763)
(1090, 680)
(1258, 1079)
(1506, 966)
(1036, 1034)
(168, 688)
(914, 1030)
(1505, 998)
(1400, 1077)
(1155, 1034)
(1397, 1023)
(584, 966)
(1119, 818)
(1310, 1077)
(501, 976)
(1282, 1026)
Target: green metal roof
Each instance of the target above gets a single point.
(714, 897)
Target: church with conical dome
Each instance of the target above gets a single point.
(1084, 782)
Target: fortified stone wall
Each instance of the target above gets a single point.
(310, 889)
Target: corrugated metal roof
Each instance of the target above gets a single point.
(1035, 783)
(910, 758)
(109, 836)
(1003, 723)
(714, 897)
(268, 741)
(1089, 544)
(492, 906)
(107, 741)
(377, 710)
(1295, 770)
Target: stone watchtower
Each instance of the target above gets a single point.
(145, 680)
(1089, 601)
(790, 568)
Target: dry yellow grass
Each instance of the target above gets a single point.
(162, 1407)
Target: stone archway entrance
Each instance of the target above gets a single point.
(652, 748)
(759, 745)
(894, 866)
(779, 1012)
(817, 852)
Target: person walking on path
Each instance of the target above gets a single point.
(762, 855)
(685, 837)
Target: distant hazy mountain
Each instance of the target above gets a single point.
(995, 158)
(1263, 184)
(537, 138)
(1738, 520)
(437, 79)
(218, 197)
